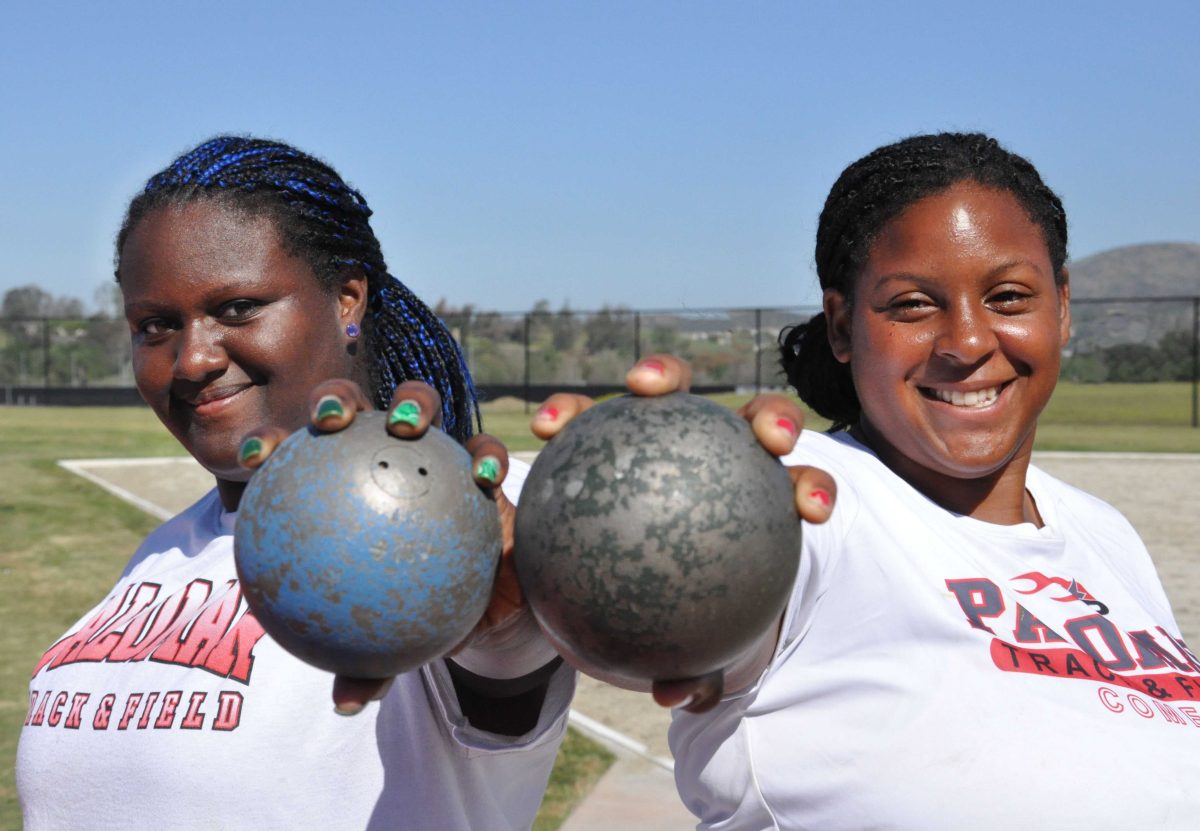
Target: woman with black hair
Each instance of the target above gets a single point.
(251, 278)
(970, 643)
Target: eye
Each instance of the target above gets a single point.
(153, 327)
(910, 305)
(240, 309)
(1009, 300)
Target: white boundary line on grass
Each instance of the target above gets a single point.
(80, 468)
(1107, 455)
(607, 736)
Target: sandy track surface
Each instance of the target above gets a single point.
(1160, 494)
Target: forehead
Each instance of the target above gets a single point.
(966, 220)
(198, 229)
(199, 251)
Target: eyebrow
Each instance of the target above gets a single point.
(1008, 265)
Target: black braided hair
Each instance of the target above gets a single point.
(324, 221)
(868, 194)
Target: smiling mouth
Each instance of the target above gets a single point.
(214, 400)
(975, 399)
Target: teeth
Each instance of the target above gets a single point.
(977, 398)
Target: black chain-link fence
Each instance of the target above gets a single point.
(728, 348)
(1144, 340)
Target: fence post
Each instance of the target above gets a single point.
(1196, 362)
(45, 352)
(527, 395)
(757, 351)
(466, 342)
(637, 336)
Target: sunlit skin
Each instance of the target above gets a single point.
(954, 336)
(230, 332)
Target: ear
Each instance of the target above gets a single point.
(837, 321)
(1064, 308)
(352, 297)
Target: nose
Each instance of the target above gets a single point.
(199, 353)
(966, 335)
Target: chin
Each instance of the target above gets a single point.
(978, 461)
(222, 463)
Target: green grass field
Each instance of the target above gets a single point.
(65, 541)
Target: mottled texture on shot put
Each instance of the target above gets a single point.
(365, 554)
(656, 539)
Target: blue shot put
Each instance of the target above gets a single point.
(656, 539)
(364, 554)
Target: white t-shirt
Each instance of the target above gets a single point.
(167, 707)
(939, 672)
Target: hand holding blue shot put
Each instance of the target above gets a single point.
(369, 544)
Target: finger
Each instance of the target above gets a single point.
(695, 695)
(776, 421)
(333, 403)
(556, 412)
(506, 599)
(489, 460)
(415, 405)
(257, 446)
(659, 374)
(816, 493)
(350, 695)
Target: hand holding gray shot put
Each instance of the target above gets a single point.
(657, 538)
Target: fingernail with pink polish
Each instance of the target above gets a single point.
(820, 495)
(786, 424)
(656, 366)
(550, 413)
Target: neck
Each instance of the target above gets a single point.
(230, 493)
(998, 496)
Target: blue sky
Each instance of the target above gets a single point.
(656, 155)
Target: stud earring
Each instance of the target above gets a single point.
(352, 330)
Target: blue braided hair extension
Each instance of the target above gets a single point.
(324, 221)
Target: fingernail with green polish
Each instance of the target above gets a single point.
(488, 469)
(406, 412)
(251, 448)
(329, 406)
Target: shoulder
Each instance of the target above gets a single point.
(187, 533)
(838, 453)
(858, 473)
(1079, 503)
(1089, 524)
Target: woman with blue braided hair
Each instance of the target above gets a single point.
(258, 302)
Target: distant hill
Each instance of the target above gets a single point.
(1153, 270)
